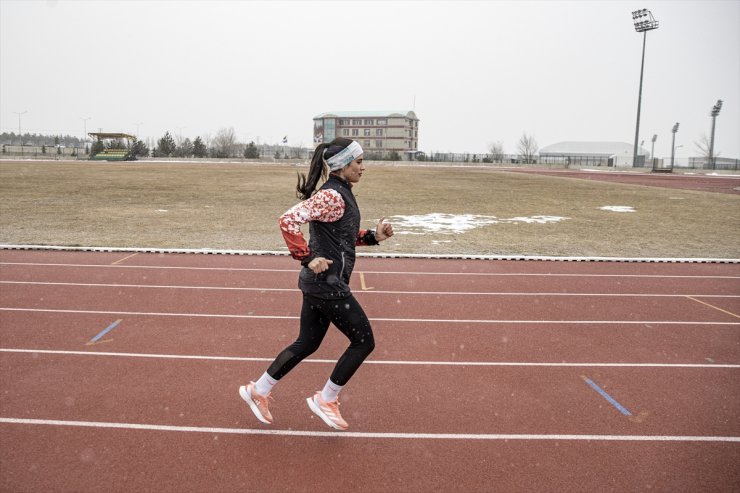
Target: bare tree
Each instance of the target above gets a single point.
(225, 142)
(496, 150)
(527, 148)
(703, 145)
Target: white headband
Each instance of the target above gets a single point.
(346, 156)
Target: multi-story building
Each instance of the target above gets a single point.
(378, 132)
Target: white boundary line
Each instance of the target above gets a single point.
(401, 273)
(374, 362)
(368, 435)
(377, 255)
(374, 319)
(372, 291)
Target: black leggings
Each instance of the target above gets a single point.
(316, 315)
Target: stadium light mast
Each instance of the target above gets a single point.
(652, 150)
(84, 127)
(673, 144)
(715, 111)
(20, 135)
(644, 22)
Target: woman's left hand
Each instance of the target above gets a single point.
(384, 230)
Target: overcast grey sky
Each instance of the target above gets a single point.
(478, 72)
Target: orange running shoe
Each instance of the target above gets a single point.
(257, 403)
(327, 411)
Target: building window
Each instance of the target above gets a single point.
(378, 143)
(367, 132)
(379, 132)
(345, 132)
(355, 132)
(367, 143)
(382, 122)
(368, 122)
(356, 122)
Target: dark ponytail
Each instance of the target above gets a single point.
(306, 186)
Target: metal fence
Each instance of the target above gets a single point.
(278, 152)
(47, 152)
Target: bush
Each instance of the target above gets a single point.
(394, 156)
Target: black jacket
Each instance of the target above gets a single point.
(334, 241)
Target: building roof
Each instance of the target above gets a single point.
(368, 114)
(591, 148)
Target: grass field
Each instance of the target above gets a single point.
(236, 206)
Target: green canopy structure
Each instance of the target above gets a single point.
(112, 152)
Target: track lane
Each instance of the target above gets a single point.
(461, 283)
(582, 343)
(528, 400)
(379, 305)
(46, 458)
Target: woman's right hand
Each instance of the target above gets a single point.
(319, 265)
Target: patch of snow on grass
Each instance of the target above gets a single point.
(618, 208)
(437, 222)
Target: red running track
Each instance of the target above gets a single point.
(480, 378)
(704, 183)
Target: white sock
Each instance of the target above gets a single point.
(264, 385)
(331, 391)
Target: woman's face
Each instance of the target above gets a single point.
(353, 171)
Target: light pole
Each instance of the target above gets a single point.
(714, 113)
(644, 22)
(652, 149)
(84, 127)
(137, 129)
(20, 135)
(673, 143)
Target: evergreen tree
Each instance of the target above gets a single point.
(185, 149)
(139, 148)
(97, 147)
(251, 151)
(199, 148)
(43, 149)
(166, 145)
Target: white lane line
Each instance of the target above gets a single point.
(371, 362)
(374, 319)
(368, 435)
(400, 273)
(435, 293)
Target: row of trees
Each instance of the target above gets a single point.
(223, 145)
(526, 149)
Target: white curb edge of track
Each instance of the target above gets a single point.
(455, 256)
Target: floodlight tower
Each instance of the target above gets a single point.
(714, 113)
(673, 144)
(84, 128)
(20, 135)
(644, 22)
(652, 149)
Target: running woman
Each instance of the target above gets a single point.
(327, 260)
